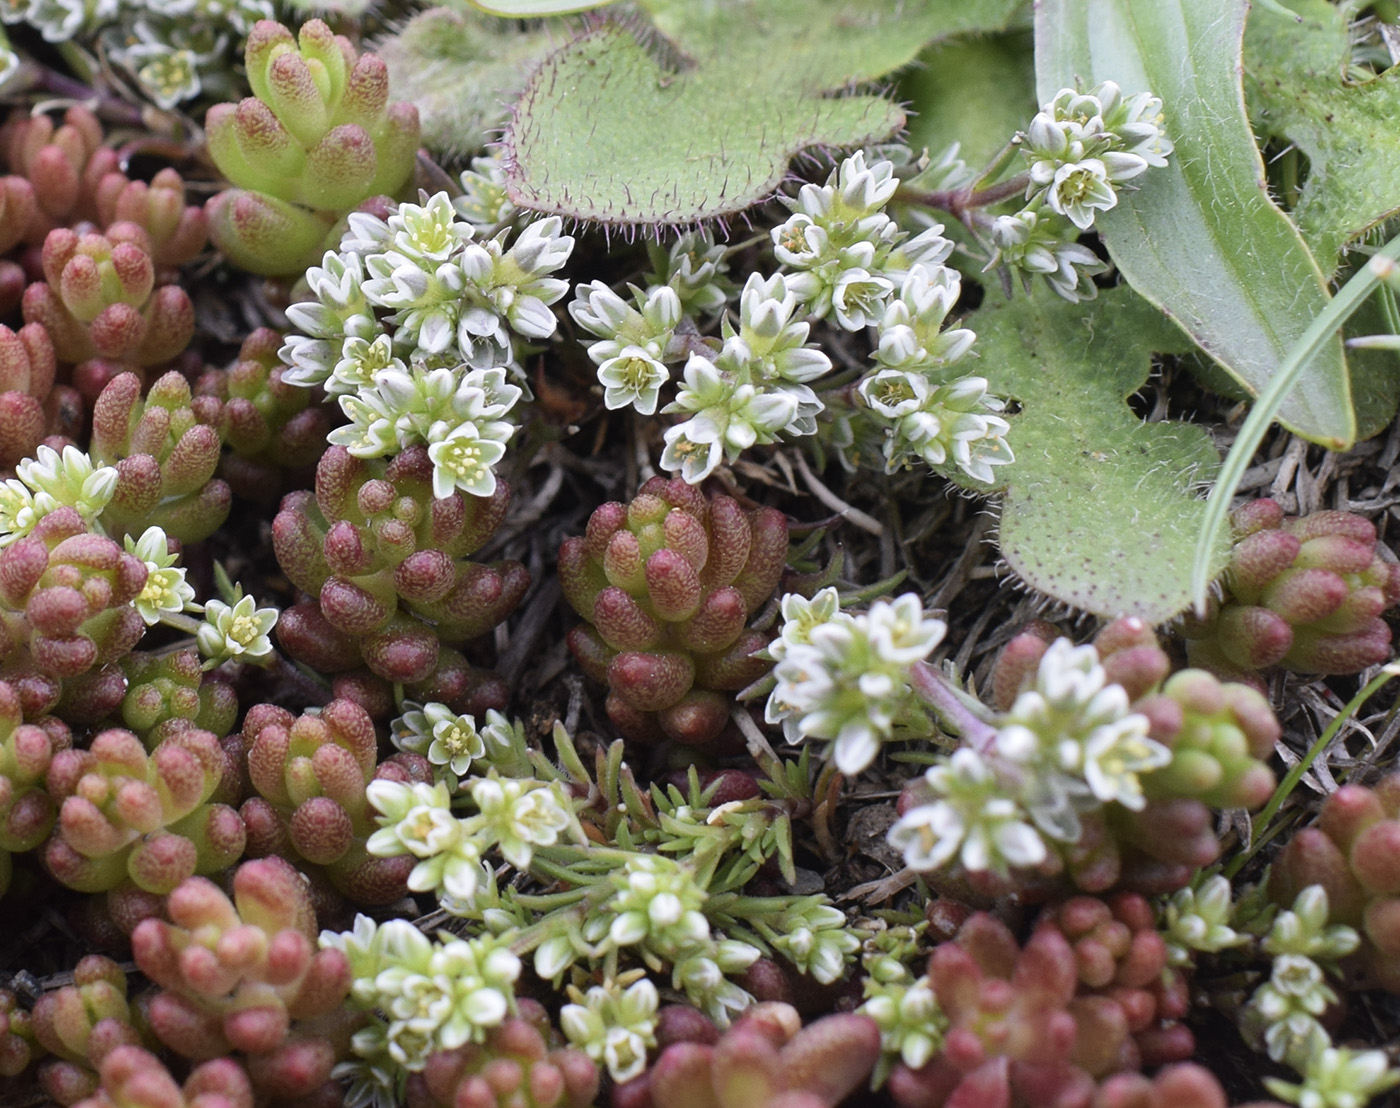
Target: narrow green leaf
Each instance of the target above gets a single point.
(701, 120)
(1101, 510)
(1320, 332)
(1201, 238)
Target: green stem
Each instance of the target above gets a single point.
(1290, 781)
(1318, 334)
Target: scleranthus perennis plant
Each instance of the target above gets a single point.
(419, 287)
(846, 678)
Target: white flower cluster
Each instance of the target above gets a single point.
(1068, 746)
(413, 326)
(50, 481)
(1197, 919)
(613, 1025)
(432, 995)
(655, 909)
(1284, 1013)
(165, 590)
(1081, 149)
(845, 678)
(513, 816)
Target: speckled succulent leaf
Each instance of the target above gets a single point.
(1202, 238)
(1294, 78)
(1085, 464)
(461, 70)
(615, 131)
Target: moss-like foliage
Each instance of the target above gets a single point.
(620, 127)
(1100, 509)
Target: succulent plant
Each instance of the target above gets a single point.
(389, 565)
(317, 137)
(1353, 853)
(27, 367)
(1119, 955)
(271, 427)
(514, 1067)
(667, 584)
(165, 449)
(244, 974)
(99, 298)
(1183, 1086)
(310, 774)
(66, 614)
(767, 1059)
(27, 812)
(1017, 1033)
(62, 165)
(124, 813)
(177, 231)
(80, 1024)
(132, 1077)
(17, 1044)
(1302, 593)
(167, 693)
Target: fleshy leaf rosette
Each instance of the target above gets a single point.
(1302, 593)
(80, 1024)
(667, 584)
(317, 138)
(124, 813)
(310, 774)
(17, 1045)
(1016, 1032)
(99, 299)
(514, 1065)
(167, 693)
(66, 616)
(27, 812)
(177, 231)
(270, 426)
(27, 367)
(62, 165)
(1120, 956)
(133, 1077)
(244, 974)
(767, 1059)
(1353, 852)
(166, 449)
(389, 564)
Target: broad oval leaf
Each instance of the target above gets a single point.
(1201, 238)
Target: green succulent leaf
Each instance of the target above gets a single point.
(1201, 238)
(1298, 91)
(621, 129)
(461, 69)
(1100, 508)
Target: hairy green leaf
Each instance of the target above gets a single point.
(1100, 509)
(1201, 238)
(461, 70)
(701, 122)
(1297, 87)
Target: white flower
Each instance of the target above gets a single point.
(67, 480)
(521, 815)
(613, 1026)
(1079, 189)
(165, 589)
(971, 820)
(633, 377)
(240, 631)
